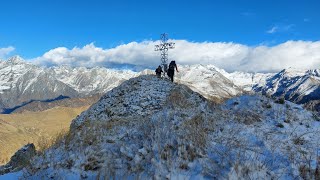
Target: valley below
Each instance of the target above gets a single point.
(39, 128)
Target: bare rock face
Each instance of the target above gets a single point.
(20, 159)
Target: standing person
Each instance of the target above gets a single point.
(159, 71)
(172, 66)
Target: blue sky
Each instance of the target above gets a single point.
(34, 27)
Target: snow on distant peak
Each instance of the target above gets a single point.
(15, 60)
(314, 72)
(293, 72)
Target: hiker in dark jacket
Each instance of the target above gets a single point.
(171, 68)
(159, 71)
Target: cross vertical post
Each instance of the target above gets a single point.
(163, 47)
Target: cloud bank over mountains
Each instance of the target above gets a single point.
(6, 51)
(229, 56)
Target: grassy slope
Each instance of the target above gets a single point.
(17, 130)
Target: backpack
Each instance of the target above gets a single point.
(172, 65)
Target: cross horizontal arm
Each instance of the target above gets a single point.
(164, 46)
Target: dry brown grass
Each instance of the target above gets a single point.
(196, 131)
(178, 99)
(41, 128)
(46, 142)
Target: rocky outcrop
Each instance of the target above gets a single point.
(20, 159)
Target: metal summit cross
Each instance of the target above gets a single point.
(163, 47)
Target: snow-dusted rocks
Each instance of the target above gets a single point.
(136, 97)
(151, 128)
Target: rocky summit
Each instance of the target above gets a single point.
(151, 128)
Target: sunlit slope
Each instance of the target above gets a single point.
(17, 130)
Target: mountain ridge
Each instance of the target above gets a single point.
(22, 81)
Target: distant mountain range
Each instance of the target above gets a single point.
(22, 82)
(295, 85)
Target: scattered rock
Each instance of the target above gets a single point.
(20, 159)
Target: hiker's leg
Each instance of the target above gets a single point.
(172, 76)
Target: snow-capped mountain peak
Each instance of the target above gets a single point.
(292, 72)
(15, 60)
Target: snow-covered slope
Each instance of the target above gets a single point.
(208, 81)
(151, 128)
(248, 80)
(295, 85)
(91, 81)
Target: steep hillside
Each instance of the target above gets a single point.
(151, 128)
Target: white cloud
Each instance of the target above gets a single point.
(281, 28)
(6, 51)
(272, 30)
(229, 56)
